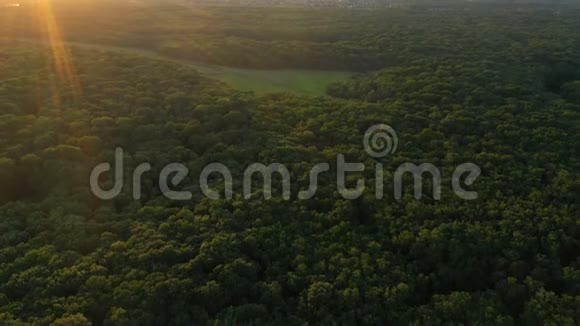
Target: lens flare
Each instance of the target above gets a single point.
(62, 62)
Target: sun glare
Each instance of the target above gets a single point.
(62, 61)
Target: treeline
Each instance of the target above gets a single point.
(357, 40)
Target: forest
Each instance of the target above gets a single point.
(497, 85)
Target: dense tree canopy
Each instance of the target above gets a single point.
(358, 40)
(454, 87)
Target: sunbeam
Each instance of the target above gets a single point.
(61, 59)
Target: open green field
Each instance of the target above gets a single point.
(297, 81)
(305, 82)
(261, 81)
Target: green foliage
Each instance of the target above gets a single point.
(460, 87)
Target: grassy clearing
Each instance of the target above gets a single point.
(305, 82)
(297, 81)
